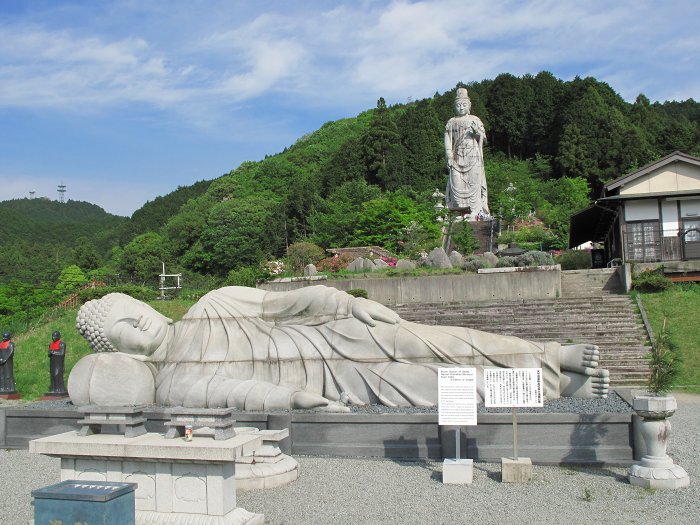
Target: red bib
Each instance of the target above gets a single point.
(55, 346)
(4, 345)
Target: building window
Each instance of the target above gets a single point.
(643, 242)
(691, 238)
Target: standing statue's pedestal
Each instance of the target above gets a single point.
(178, 481)
(53, 396)
(656, 469)
(14, 395)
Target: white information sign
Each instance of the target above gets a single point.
(513, 387)
(457, 396)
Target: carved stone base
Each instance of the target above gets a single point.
(266, 475)
(658, 473)
(266, 466)
(237, 516)
(656, 470)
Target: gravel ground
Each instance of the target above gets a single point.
(362, 491)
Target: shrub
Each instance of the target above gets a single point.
(142, 293)
(299, 254)
(473, 263)
(574, 260)
(245, 276)
(334, 264)
(358, 292)
(651, 281)
(537, 258)
(664, 363)
(531, 258)
(507, 262)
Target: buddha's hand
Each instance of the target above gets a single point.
(369, 312)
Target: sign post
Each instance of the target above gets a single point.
(457, 407)
(514, 388)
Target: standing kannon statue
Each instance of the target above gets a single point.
(57, 354)
(464, 147)
(7, 376)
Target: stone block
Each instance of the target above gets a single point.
(458, 471)
(405, 264)
(491, 259)
(457, 259)
(437, 258)
(381, 265)
(516, 470)
(368, 265)
(310, 269)
(357, 265)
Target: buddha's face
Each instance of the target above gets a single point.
(462, 106)
(133, 327)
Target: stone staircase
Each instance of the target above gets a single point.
(589, 311)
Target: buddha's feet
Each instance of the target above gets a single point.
(579, 373)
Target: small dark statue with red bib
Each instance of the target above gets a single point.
(57, 353)
(7, 376)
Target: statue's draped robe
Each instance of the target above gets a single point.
(466, 186)
(253, 349)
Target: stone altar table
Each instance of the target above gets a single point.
(178, 481)
(220, 420)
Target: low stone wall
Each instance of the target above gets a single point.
(546, 438)
(499, 284)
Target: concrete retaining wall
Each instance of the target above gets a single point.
(504, 284)
(545, 438)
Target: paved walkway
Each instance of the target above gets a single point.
(362, 491)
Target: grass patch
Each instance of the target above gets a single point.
(679, 304)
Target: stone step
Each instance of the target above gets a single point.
(560, 302)
(494, 323)
(522, 312)
(591, 310)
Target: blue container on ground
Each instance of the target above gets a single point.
(85, 502)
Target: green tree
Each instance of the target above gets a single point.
(383, 219)
(85, 254)
(144, 256)
(424, 153)
(242, 232)
(381, 148)
(302, 253)
(508, 102)
(563, 198)
(542, 114)
(333, 221)
(184, 229)
(70, 281)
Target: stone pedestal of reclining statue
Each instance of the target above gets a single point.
(316, 347)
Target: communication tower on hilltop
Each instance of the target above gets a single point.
(31, 194)
(61, 193)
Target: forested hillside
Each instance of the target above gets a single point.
(368, 180)
(39, 237)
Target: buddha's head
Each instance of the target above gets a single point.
(120, 323)
(463, 105)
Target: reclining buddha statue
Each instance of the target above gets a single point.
(315, 347)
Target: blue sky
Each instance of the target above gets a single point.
(126, 100)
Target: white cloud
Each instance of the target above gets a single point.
(352, 51)
(44, 68)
